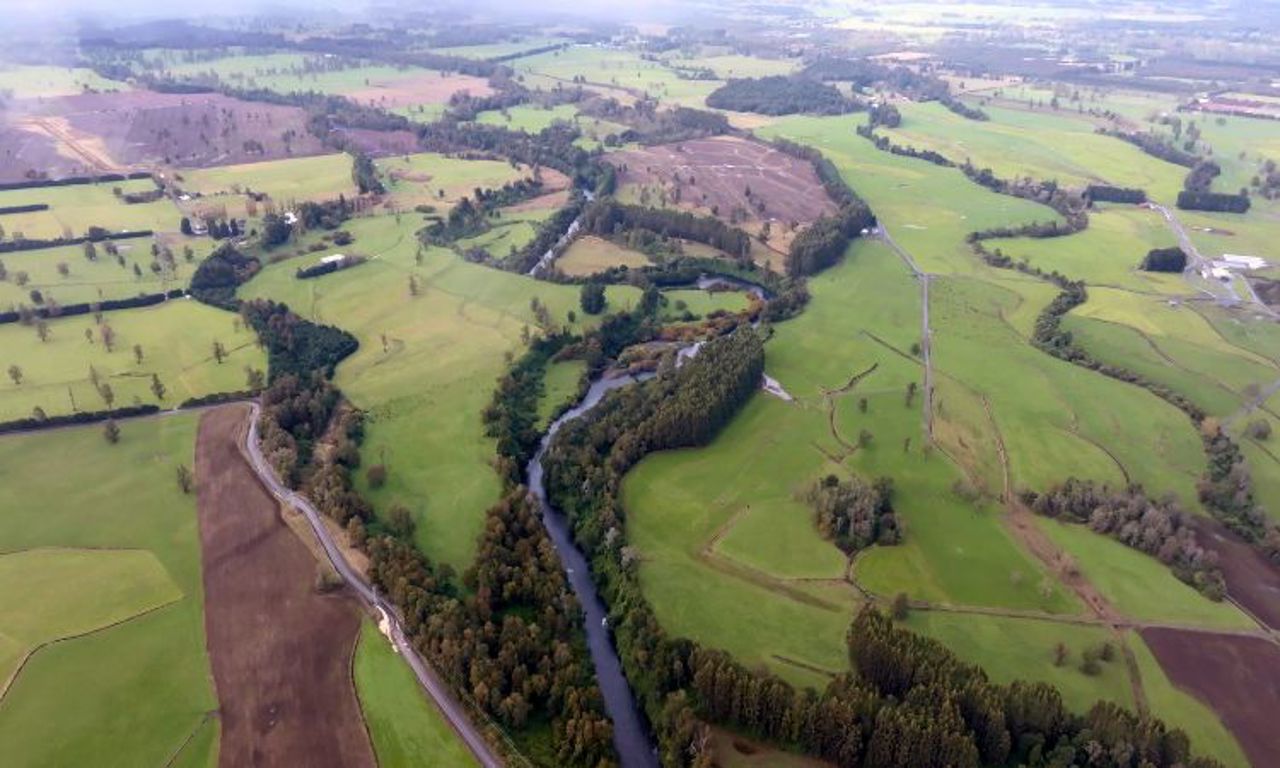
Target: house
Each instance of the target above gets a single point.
(333, 258)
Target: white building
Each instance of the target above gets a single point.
(1234, 261)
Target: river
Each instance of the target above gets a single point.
(631, 735)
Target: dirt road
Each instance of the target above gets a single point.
(280, 651)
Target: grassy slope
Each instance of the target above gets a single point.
(65, 707)
(589, 255)
(76, 208)
(44, 82)
(322, 177)
(560, 386)
(176, 338)
(405, 727)
(103, 278)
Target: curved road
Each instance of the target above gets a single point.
(434, 687)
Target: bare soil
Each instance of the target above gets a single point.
(97, 132)
(1252, 581)
(434, 88)
(1239, 677)
(715, 175)
(281, 652)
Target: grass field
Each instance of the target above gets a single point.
(432, 179)
(45, 82)
(177, 345)
(73, 209)
(615, 69)
(1023, 649)
(425, 391)
(322, 177)
(1043, 145)
(560, 386)
(529, 118)
(406, 728)
(114, 522)
(1182, 710)
(1138, 585)
(728, 65)
(102, 278)
(505, 48)
(588, 255)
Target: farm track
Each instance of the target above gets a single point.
(926, 331)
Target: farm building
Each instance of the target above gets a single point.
(1233, 261)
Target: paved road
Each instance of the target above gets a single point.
(434, 687)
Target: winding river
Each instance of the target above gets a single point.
(631, 735)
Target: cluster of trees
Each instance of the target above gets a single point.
(326, 267)
(649, 122)
(853, 513)
(1226, 488)
(823, 242)
(781, 95)
(470, 217)
(1201, 177)
(1156, 146)
(19, 242)
(920, 85)
(1213, 201)
(550, 232)
(1072, 206)
(296, 412)
(608, 218)
(513, 643)
(365, 174)
(296, 346)
(1172, 259)
(1159, 528)
(511, 417)
(219, 229)
(884, 113)
(552, 148)
(1104, 193)
(217, 277)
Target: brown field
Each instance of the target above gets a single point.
(1251, 581)
(281, 652)
(434, 88)
(715, 175)
(88, 133)
(382, 143)
(1239, 677)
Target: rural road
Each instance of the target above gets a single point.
(926, 333)
(1219, 290)
(434, 687)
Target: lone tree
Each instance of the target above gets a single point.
(911, 392)
(901, 606)
(1060, 654)
(254, 378)
(376, 475)
(42, 330)
(111, 431)
(157, 388)
(108, 394)
(219, 352)
(414, 290)
(108, 335)
(137, 353)
(15, 373)
(186, 481)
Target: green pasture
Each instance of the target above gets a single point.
(102, 278)
(895, 187)
(1106, 254)
(560, 386)
(1182, 710)
(114, 536)
(428, 178)
(75, 208)
(510, 230)
(322, 177)
(1264, 467)
(615, 69)
(1042, 145)
(528, 117)
(1137, 584)
(729, 65)
(505, 48)
(425, 390)
(42, 601)
(1012, 649)
(588, 255)
(177, 344)
(37, 82)
(406, 728)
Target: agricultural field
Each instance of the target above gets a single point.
(74, 209)
(504, 48)
(402, 724)
(176, 341)
(727, 66)
(103, 277)
(1015, 144)
(111, 564)
(588, 255)
(427, 178)
(615, 72)
(322, 177)
(533, 119)
(40, 82)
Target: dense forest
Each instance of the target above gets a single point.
(1172, 259)
(779, 95)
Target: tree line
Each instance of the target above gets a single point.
(1159, 528)
(609, 218)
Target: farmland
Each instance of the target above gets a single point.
(116, 563)
(589, 255)
(73, 209)
(176, 343)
